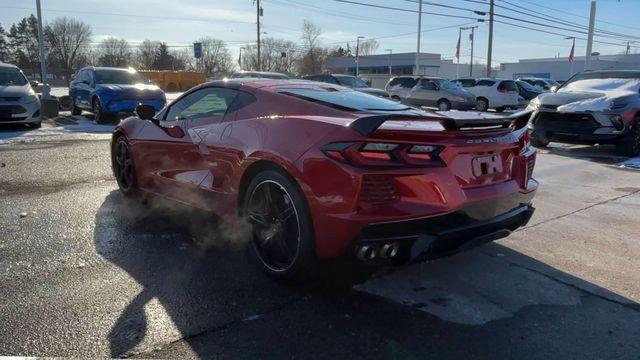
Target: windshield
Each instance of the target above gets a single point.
(527, 86)
(345, 100)
(352, 82)
(123, 77)
(11, 76)
(446, 84)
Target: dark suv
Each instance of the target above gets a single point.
(591, 107)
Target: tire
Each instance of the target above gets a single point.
(482, 104)
(75, 110)
(444, 105)
(98, 115)
(124, 168)
(500, 109)
(629, 145)
(282, 238)
(539, 140)
(35, 125)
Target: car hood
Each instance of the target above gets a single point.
(145, 90)
(563, 98)
(373, 91)
(15, 90)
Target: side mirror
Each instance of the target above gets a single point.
(554, 88)
(145, 112)
(33, 83)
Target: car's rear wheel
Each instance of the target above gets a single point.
(282, 240)
(124, 167)
(75, 110)
(629, 145)
(444, 105)
(482, 104)
(35, 125)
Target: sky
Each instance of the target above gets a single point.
(180, 22)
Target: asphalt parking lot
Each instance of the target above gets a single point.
(87, 273)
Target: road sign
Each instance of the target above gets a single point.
(197, 50)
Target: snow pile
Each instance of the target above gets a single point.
(633, 163)
(604, 90)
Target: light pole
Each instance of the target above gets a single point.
(471, 37)
(417, 68)
(390, 64)
(43, 67)
(358, 55)
(592, 23)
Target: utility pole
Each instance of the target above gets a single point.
(390, 64)
(258, 14)
(472, 38)
(358, 55)
(43, 67)
(592, 21)
(417, 68)
(490, 46)
(458, 53)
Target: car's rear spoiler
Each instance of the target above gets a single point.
(367, 125)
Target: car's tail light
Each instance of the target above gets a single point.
(378, 154)
(525, 142)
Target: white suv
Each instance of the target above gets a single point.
(18, 102)
(498, 94)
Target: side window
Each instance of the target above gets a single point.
(394, 82)
(468, 83)
(427, 85)
(485, 83)
(409, 82)
(330, 79)
(243, 99)
(207, 102)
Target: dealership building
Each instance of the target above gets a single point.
(375, 68)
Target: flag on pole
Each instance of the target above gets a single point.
(458, 47)
(571, 57)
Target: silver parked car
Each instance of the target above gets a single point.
(430, 91)
(18, 102)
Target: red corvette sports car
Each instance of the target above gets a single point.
(320, 171)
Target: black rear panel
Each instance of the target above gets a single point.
(566, 123)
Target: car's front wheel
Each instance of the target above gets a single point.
(444, 105)
(124, 167)
(629, 145)
(282, 240)
(98, 114)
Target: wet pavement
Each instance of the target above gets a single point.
(85, 272)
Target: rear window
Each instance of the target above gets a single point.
(405, 82)
(508, 86)
(348, 100)
(485, 83)
(466, 82)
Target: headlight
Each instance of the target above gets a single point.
(534, 104)
(31, 98)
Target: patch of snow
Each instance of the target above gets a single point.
(84, 130)
(633, 163)
(606, 90)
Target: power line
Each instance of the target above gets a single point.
(405, 10)
(577, 15)
(447, 6)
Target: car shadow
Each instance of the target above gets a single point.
(196, 269)
(602, 154)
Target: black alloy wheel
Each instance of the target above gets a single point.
(123, 167)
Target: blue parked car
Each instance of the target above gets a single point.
(106, 91)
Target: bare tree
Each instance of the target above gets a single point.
(276, 55)
(114, 52)
(216, 58)
(67, 39)
(314, 56)
(368, 47)
(146, 54)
